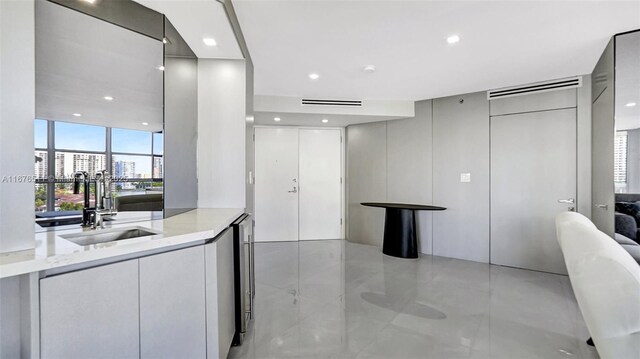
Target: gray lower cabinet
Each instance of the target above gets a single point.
(172, 304)
(177, 304)
(91, 313)
(220, 296)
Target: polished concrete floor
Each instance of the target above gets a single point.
(335, 299)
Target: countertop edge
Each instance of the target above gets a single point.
(126, 249)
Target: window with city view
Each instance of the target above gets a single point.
(620, 158)
(62, 149)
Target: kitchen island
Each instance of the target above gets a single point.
(125, 298)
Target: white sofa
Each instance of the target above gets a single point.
(606, 282)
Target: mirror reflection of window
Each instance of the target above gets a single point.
(136, 159)
(620, 161)
(627, 139)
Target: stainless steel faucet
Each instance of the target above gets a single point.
(104, 205)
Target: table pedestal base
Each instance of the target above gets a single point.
(400, 233)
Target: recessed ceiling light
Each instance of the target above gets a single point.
(369, 68)
(90, 1)
(209, 41)
(161, 68)
(108, 98)
(77, 114)
(145, 124)
(453, 39)
(277, 119)
(630, 104)
(314, 76)
(324, 120)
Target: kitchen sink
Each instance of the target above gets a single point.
(108, 235)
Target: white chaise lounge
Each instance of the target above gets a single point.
(606, 282)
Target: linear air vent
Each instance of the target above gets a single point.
(546, 86)
(314, 102)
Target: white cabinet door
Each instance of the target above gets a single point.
(320, 187)
(220, 295)
(533, 171)
(91, 313)
(172, 304)
(276, 184)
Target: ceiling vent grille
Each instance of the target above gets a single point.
(539, 87)
(315, 102)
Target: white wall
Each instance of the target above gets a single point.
(221, 133)
(17, 109)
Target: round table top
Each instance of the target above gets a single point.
(417, 207)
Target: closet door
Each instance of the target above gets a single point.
(533, 177)
(320, 186)
(276, 184)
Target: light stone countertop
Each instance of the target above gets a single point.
(52, 251)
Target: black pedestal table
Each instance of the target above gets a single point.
(400, 227)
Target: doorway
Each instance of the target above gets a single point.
(533, 178)
(298, 184)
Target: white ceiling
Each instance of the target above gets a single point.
(197, 19)
(314, 120)
(627, 81)
(80, 59)
(503, 43)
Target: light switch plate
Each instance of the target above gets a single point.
(465, 177)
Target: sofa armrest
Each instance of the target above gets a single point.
(626, 225)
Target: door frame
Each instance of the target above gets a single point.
(343, 193)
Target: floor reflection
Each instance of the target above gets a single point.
(415, 309)
(334, 299)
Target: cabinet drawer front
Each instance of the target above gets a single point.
(91, 313)
(172, 304)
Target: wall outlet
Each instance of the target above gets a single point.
(465, 177)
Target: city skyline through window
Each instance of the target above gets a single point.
(132, 157)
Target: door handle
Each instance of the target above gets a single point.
(295, 190)
(570, 201)
(603, 206)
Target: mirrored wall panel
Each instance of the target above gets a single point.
(99, 125)
(627, 138)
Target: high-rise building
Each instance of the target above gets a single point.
(620, 158)
(124, 169)
(40, 166)
(157, 167)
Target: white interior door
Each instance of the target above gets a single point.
(533, 169)
(320, 187)
(276, 184)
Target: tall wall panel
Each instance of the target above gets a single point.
(409, 167)
(461, 146)
(367, 181)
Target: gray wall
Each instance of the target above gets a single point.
(389, 161)
(420, 160)
(461, 145)
(180, 124)
(124, 13)
(409, 166)
(366, 181)
(602, 141)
